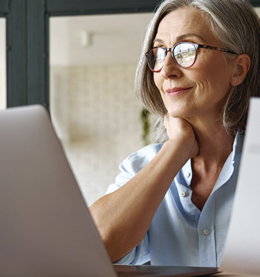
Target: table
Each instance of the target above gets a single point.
(230, 274)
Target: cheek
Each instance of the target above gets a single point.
(214, 76)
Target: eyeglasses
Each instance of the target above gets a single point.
(184, 55)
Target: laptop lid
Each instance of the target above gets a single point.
(46, 228)
(242, 250)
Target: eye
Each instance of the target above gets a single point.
(158, 45)
(160, 54)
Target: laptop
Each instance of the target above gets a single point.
(46, 228)
(242, 250)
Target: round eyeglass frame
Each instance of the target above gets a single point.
(171, 49)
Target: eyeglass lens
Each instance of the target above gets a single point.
(184, 54)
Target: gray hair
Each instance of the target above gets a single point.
(236, 25)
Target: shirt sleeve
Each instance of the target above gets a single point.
(129, 168)
(133, 164)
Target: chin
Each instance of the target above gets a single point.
(179, 109)
(177, 114)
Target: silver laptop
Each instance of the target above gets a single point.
(46, 229)
(242, 250)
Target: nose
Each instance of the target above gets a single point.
(170, 69)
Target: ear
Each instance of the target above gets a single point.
(241, 67)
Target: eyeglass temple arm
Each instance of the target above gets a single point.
(216, 48)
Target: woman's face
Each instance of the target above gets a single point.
(201, 90)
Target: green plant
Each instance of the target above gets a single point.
(144, 115)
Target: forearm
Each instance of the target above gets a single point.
(124, 216)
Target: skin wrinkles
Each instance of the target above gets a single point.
(207, 95)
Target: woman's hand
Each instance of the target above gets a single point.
(180, 131)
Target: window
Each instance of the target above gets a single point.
(2, 64)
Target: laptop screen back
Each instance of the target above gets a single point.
(46, 229)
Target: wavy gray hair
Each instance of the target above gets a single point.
(236, 25)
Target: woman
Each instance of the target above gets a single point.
(172, 202)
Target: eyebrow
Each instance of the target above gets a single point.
(180, 38)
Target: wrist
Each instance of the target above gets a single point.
(186, 147)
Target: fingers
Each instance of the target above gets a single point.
(177, 127)
(174, 125)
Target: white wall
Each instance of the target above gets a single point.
(96, 114)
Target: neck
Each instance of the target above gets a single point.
(215, 144)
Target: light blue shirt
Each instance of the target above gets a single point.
(180, 234)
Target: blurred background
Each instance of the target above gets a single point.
(93, 105)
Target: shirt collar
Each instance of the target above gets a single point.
(227, 169)
(232, 162)
(237, 145)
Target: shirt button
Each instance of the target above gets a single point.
(183, 194)
(187, 174)
(206, 232)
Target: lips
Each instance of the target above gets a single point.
(177, 91)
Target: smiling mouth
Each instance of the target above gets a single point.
(176, 91)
